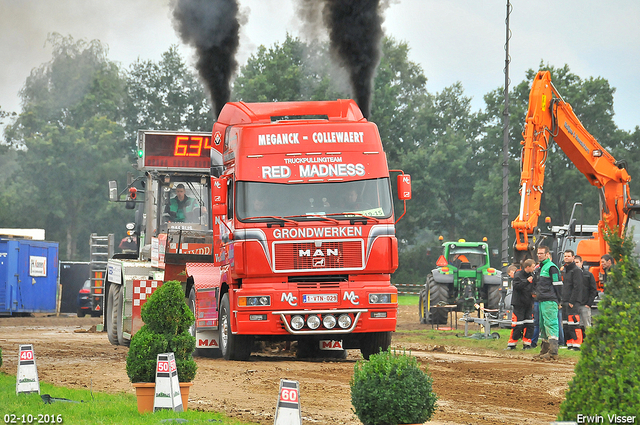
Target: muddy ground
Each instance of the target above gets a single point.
(473, 386)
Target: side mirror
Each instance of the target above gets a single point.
(218, 196)
(404, 187)
(113, 190)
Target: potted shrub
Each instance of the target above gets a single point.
(167, 319)
(391, 389)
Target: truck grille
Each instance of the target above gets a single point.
(333, 255)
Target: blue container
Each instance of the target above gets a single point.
(28, 276)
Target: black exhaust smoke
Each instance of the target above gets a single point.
(213, 28)
(355, 31)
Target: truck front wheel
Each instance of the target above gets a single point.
(233, 347)
(118, 299)
(111, 319)
(374, 342)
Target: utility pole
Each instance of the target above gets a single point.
(505, 155)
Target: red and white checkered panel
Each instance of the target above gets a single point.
(204, 275)
(142, 290)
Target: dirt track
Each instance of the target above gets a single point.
(473, 387)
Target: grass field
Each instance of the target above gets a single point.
(87, 408)
(408, 299)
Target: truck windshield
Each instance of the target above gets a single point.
(370, 198)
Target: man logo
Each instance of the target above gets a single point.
(351, 296)
(318, 253)
(289, 298)
(318, 262)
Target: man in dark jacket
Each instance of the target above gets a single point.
(522, 303)
(587, 295)
(548, 290)
(571, 288)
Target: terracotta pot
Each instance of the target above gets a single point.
(146, 391)
(184, 393)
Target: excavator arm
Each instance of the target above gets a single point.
(551, 119)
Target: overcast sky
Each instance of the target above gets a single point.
(453, 40)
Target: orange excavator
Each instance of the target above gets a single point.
(551, 119)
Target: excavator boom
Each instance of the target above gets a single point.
(551, 119)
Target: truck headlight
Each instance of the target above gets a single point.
(297, 322)
(381, 298)
(344, 321)
(313, 321)
(329, 321)
(259, 301)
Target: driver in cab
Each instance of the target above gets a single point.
(181, 206)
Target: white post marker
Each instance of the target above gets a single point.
(27, 377)
(167, 394)
(288, 406)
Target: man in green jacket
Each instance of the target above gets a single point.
(548, 293)
(181, 206)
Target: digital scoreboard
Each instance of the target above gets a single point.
(174, 150)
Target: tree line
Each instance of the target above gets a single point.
(81, 111)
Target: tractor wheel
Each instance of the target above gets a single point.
(374, 342)
(233, 347)
(422, 305)
(438, 293)
(493, 297)
(112, 318)
(200, 352)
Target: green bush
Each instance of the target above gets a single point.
(167, 320)
(607, 376)
(391, 389)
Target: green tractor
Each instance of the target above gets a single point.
(464, 278)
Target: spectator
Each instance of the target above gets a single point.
(536, 311)
(547, 291)
(571, 288)
(522, 302)
(588, 294)
(606, 261)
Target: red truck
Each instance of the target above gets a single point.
(294, 234)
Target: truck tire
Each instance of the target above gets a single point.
(112, 319)
(374, 342)
(213, 353)
(438, 293)
(233, 347)
(118, 299)
(493, 296)
(81, 312)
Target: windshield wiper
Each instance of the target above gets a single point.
(321, 216)
(271, 218)
(358, 217)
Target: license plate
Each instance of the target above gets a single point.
(320, 298)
